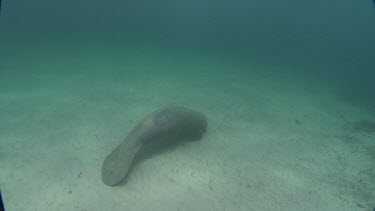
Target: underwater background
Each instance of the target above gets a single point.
(288, 88)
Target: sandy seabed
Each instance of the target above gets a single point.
(275, 141)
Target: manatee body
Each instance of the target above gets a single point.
(167, 124)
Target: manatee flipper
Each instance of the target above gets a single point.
(171, 123)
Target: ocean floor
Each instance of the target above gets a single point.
(276, 140)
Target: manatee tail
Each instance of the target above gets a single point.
(117, 164)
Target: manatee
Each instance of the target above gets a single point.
(167, 125)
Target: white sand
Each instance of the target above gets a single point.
(275, 141)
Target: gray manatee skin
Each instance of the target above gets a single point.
(170, 123)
